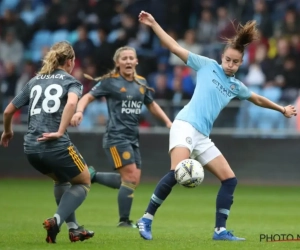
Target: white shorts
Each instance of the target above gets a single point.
(202, 149)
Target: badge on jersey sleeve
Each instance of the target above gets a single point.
(142, 90)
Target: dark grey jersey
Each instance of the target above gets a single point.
(124, 102)
(46, 96)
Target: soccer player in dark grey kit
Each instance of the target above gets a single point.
(52, 96)
(125, 92)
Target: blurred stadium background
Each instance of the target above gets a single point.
(253, 139)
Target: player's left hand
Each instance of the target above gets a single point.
(5, 138)
(290, 111)
(49, 136)
(146, 18)
(76, 119)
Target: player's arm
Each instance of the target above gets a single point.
(81, 106)
(84, 102)
(8, 114)
(99, 90)
(66, 117)
(74, 93)
(156, 110)
(22, 99)
(68, 112)
(165, 39)
(7, 124)
(287, 111)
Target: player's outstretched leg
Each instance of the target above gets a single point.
(112, 180)
(76, 232)
(162, 190)
(69, 202)
(223, 204)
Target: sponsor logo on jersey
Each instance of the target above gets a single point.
(131, 107)
(224, 91)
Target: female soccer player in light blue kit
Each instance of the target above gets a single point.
(189, 134)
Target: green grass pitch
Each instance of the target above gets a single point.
(185, 221)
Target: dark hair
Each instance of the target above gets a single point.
(245, 34)
(116, 69)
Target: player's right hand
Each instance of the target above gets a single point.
(76, 119)
(290, 111)
(146, 18)
(5, 138)
(50, 136)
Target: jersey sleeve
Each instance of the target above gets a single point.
(244, 92)
(100, 89)
(148, 97)
(196, 62)
(22, 99)
(76, 87)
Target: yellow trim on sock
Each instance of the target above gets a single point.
(128, 185)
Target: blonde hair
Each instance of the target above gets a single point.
(244, 36)
(57, 56)
(116, 70)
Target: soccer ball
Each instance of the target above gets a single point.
(189, 173)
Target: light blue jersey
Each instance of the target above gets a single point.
(214, 90)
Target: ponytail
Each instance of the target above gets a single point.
(50, 63)
(244, 36)
(57, 56)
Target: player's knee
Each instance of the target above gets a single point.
(131, 174)
(230, 182)
(129, 184)
(86, 181)
(132, 178)
(86, 187)
(86, 177)
(82, 179)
